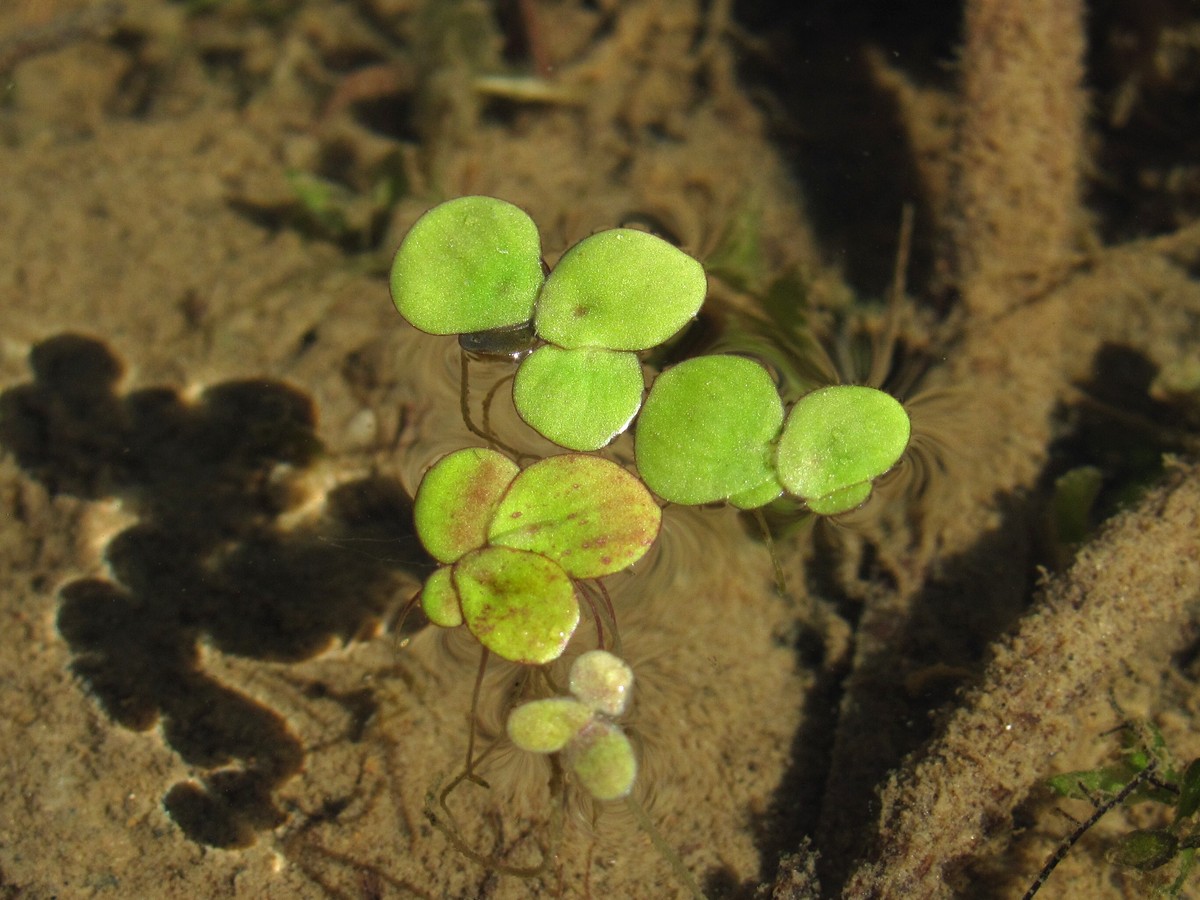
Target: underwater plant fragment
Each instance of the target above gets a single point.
(1145, 772)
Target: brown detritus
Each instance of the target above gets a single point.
(1016, 161)
(369, 83)
(1131, 592)
(1035, 312)
(970, 553)
(1020, 149)
(534, 42)
(69, 28)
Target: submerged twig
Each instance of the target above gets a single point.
(1129, 596)
(1020, 148)
(1018, 156)
(1101, 810)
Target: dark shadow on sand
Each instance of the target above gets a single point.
(208, 562)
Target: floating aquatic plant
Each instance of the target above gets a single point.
(473, 265)
(836, 442)
(582, 727)
(518, 547)
(713, 429)
(707, 433)
(513, 542)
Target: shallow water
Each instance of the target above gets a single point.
(212, 423)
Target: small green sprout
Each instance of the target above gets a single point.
(1141, 750)
(547, 726)
(1136, 778)
(350, 213)
(1073, 505)
(473, 265)
(513, 542)
(1072, 512)
(603, 760)
(595, 747)
(601, 682)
